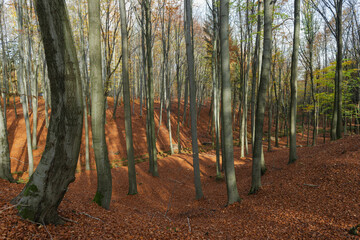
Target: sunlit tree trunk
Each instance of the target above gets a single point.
(22, 83)
(104, 182)
(232, 192)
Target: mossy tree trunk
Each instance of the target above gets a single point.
(46, 188)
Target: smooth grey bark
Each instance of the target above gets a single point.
(127, 108)
(104, 181)
(178, 81)
(22, 83)
(261, 99)
(193, 115)
(85, 80)
(339, 69)
(230, 177)
(255, 66)
(5, 163)
(150, 88)
(46, 188)
(215, 86)
(293, 82)
(5, 87)
(34, 96)
(44, 90)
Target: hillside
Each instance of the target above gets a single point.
(318, 197)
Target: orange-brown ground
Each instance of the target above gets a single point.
(318, 197)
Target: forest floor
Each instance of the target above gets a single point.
(318, 197)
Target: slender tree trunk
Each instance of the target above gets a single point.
(22, 85)
(85, 77)
(293, 81)
(150, 88)
(230, 177)
(128, 126)
(254, 74)
(46, 188)
(104, 181)
(5, 163)
(4, 87)
(260, 109)
(214, 63)
(191, 74)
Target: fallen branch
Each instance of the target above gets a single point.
(188, 220)
(68, 220)
(88, 215)
(169, 204)
(310, 185)
(4, 209)
(47, 230)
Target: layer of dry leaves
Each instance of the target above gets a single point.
(318, 197)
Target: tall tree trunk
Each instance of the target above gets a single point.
(22, 84)
(191, 74)
(150, 87)
(4, 87)
(85, 80)
(104, 181)
(339, 68)
(230, 177)
(46, 188)
(261, 98)
(293, 81)
(128, 126)
(215, 80)
(255, 65)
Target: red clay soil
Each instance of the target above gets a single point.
(318, 197)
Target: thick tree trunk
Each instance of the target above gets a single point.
(191, 75)
(260, 109)
(293, 82)
(104, 181)
(46, 188)
(232, 192)
(128, 126)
